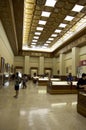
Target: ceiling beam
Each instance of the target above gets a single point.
(18, 8)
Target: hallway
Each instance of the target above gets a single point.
(35, 109)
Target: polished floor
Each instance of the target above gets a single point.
(35, 109)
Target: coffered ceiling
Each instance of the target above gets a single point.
(40, 26)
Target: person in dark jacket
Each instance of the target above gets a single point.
(81, 84)
(17, 82)
(24, 81)
(69, 78)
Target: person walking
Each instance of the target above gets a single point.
(24, 81)
(17, 82)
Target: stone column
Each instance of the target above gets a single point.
(41, 65)
(54, 67)
(62, 67)
(27, 65)
(75, 60)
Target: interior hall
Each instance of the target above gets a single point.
(43, 64)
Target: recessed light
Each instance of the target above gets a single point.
(45, 14)
(48, 41)
(69, 18)
(50, 3)
(46, 44)
(33, 46)
(39, 28)
(54, 35)
(34, 40)
(77, 8)
(42, 22)
(37, 33)
(62, 25)
(51, 39)
(35, 37)
(58, 31)
(33, 43)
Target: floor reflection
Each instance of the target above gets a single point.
(35, 109)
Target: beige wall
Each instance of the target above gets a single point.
(58, 64)
(48, 62)
(83, 53)
(34, 61)
(68, 63)
(19, 61)
(5, 49)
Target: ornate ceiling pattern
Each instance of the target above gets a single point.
(39, 28)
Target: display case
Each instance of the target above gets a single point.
(55, 79)
(43, 81)
(61, 87)
(81, 102)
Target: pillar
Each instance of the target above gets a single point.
(62, 66)
(75, 60)
(27, 65)
(41, 65)
(54, 66)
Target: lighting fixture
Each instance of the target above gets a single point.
(50, 3)
(46, 44)
(42, 22)
(33, 43)
(48, 41)
(58, 31)
(34, 40)
(39, 28)
(62, 25)
(77, 8)
(54, 35)
(70, 33)
(33, 46)
(35, 37)
(69, 18)
(37, 33)
(51, 39)
(45, 14)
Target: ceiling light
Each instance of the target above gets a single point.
(33, 46)
(33, 43)
(46, 44)
(48, 41)
(42, 22)
(25, 47)
(58, 31)
(77, 8)
(62, 25)
(34, 40)
(45, 14)
(69, 18)
(37, 33)
(51, 39)
(54, 35)
(50, 3)
(35, 37)
(39, 28)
